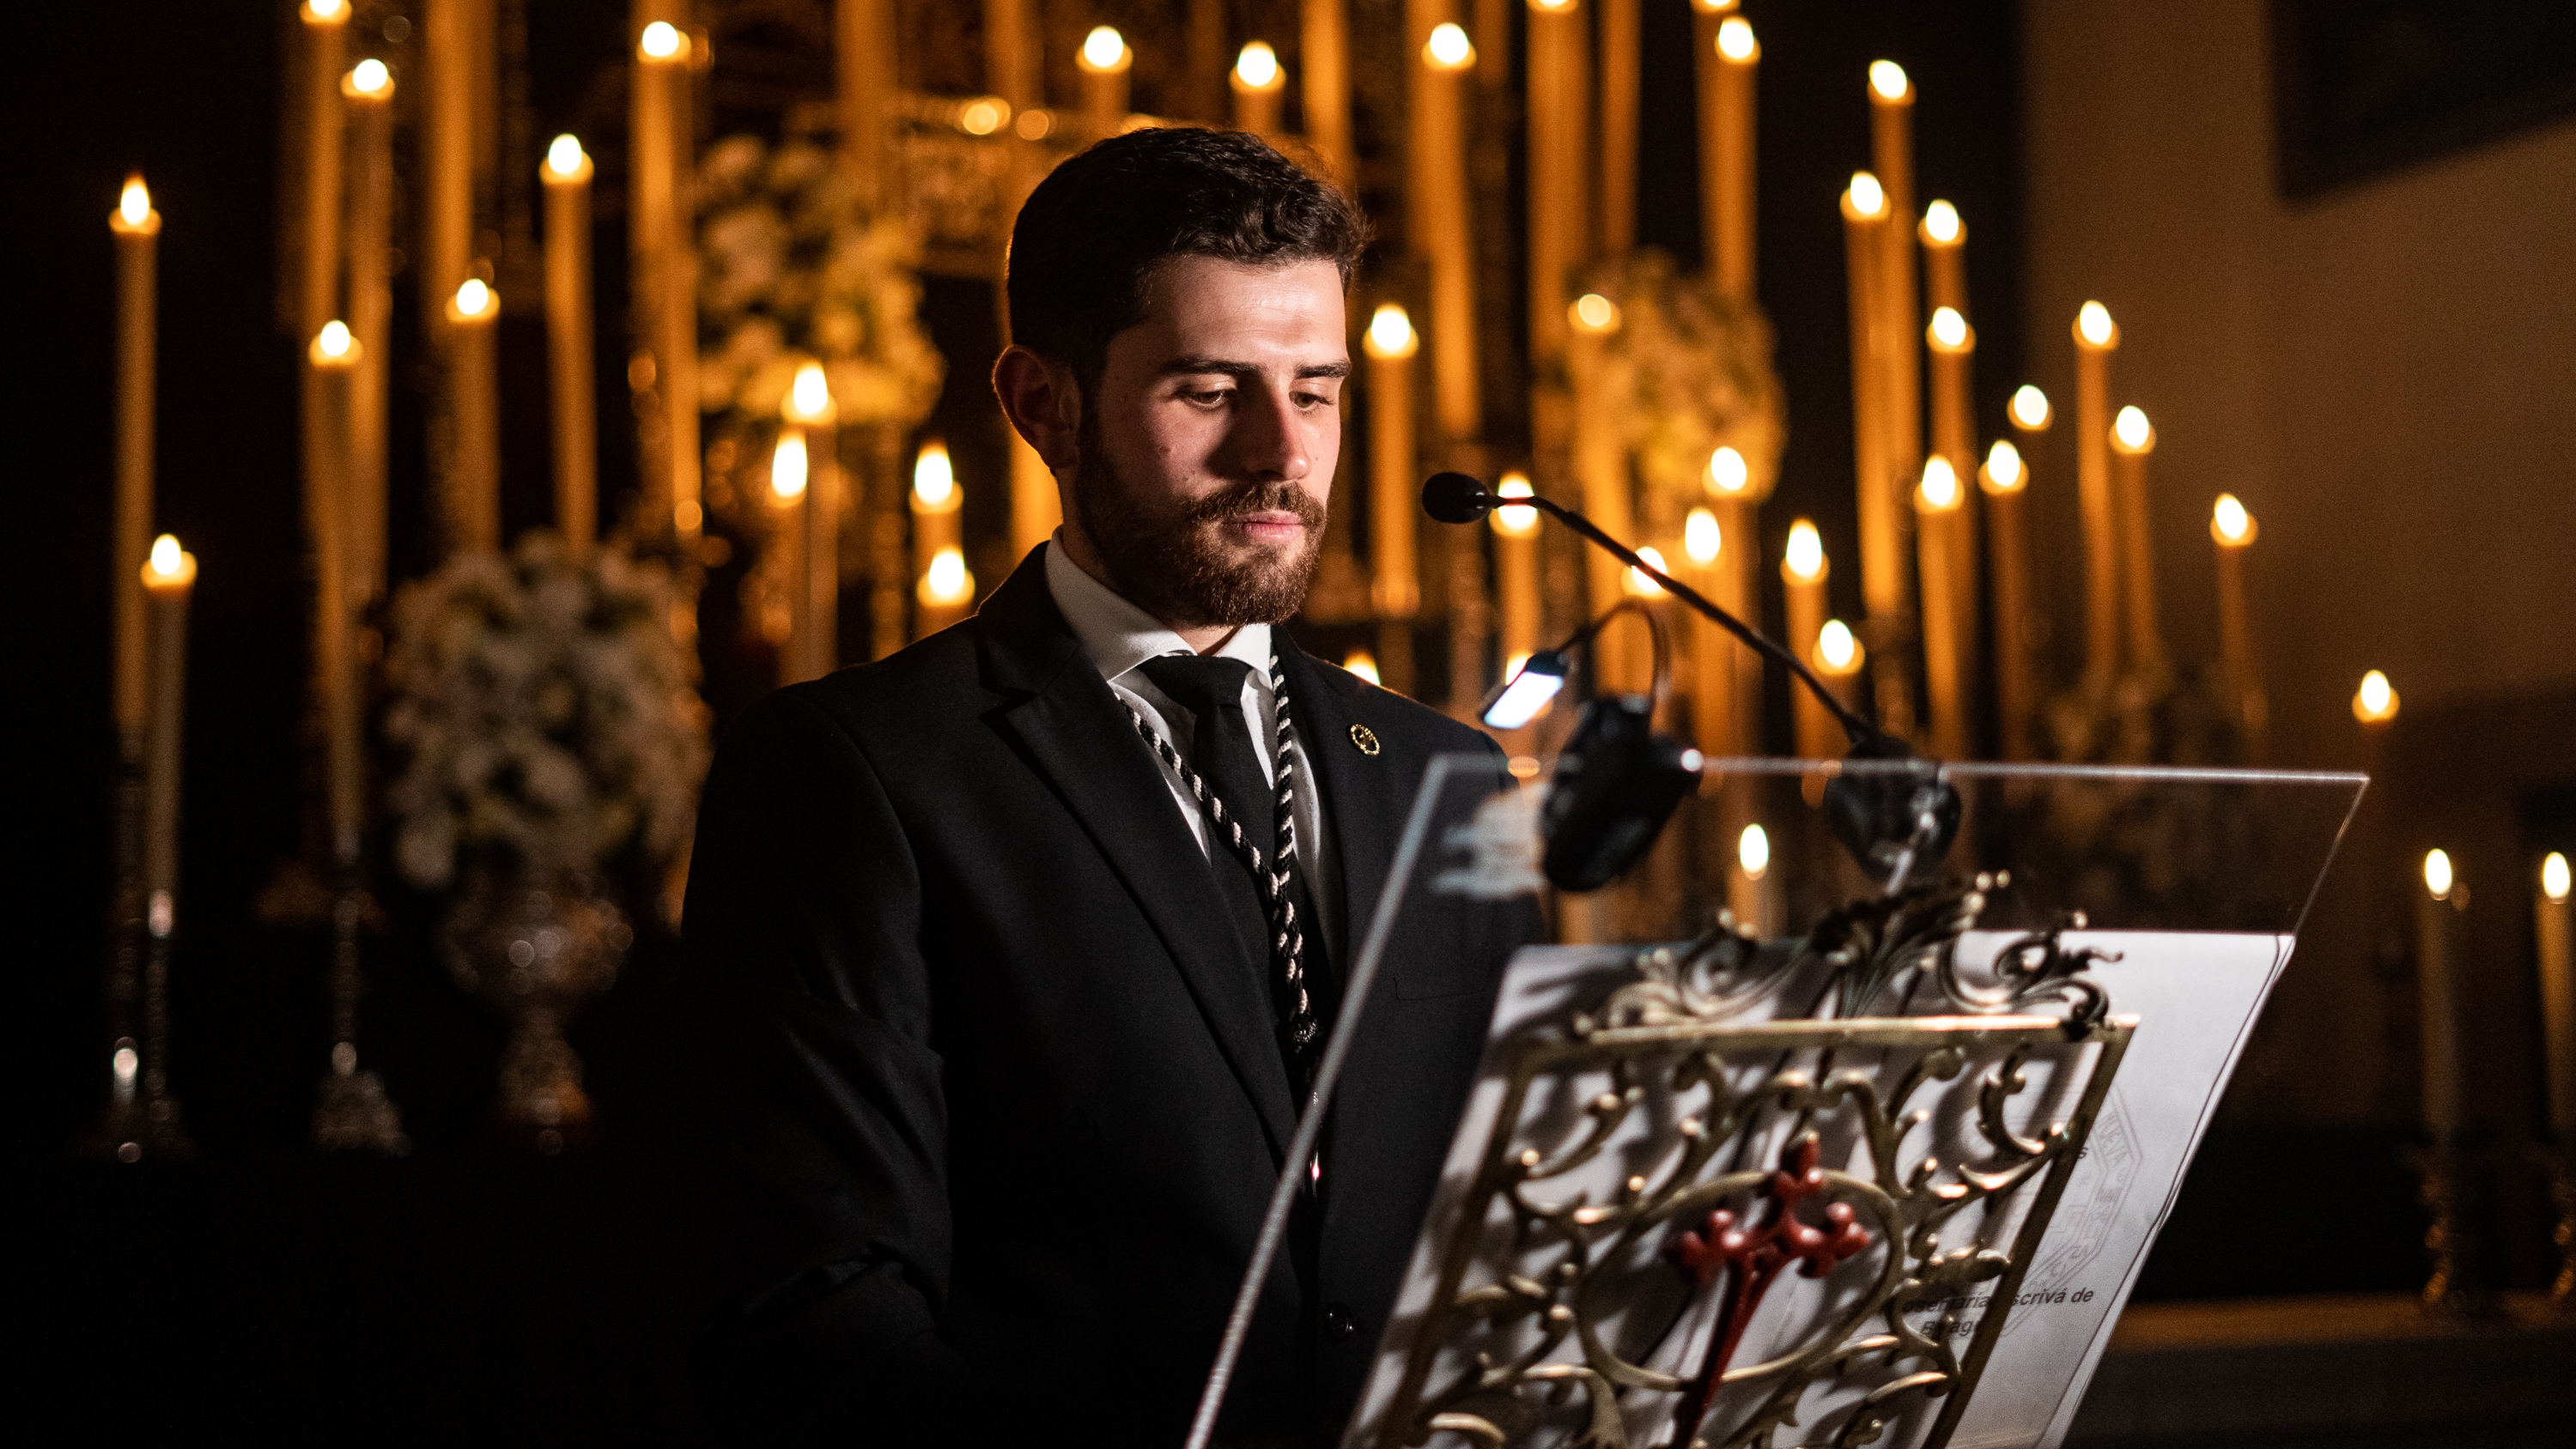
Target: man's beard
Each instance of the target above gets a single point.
(1172, 561)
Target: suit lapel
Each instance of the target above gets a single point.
(1365, 796)
(1077, 733)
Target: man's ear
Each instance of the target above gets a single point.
(1039, 397)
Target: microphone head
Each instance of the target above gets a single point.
(1455, 498)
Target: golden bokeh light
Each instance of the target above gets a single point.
(1105, 49)
(2003, 471)
(1728, 474)
(1805, 558)
(1701, 538)
(2030, 408)
(662, 41)
(1390, 332)
(1866, 197)
(787, 466)
(1256, 67)
(1888, 79)
(2376, 701)
(934, 478)
(1448, 48)
(1735, 40)
(2438, 876)
(1593, 312)
(1941, 222)
(2094, 326)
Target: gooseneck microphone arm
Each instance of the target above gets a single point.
(1458, 498)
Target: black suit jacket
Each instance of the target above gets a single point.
(995, 1099)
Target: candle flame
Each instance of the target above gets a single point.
(1735, 40)
(983, 115)
(1390, 332)
(1256, 66)
(333, 339)
(1866, 197)
(2003, 471)
(1805, 559)
(2437, 874)
(564, 157)
(946, 583)
(1727, 472)
(325, 10)
(1448, 48)
(474, 297)
(1949, 329)
(1941, 222)
(1593, 312)
(2029, 409)
(2093, 324)
(662, 40)
(1837, 648)
(2133, 430)
(2553, 877)
(1753, 851)
(787, 466)
(1641, 583)
(2230, 523)
(1551, 7)
(1940, 488)
(369, 77)
(2376, 701)
(1713, 7)
(1701, 538)
(124, 1064)
(135, 205)
(1364, 664)
(1104, 49)
(167, 556)
(1887, 78)
(1511, 521)
(934, 477)
(809, 397)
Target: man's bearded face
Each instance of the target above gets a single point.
(1185, 560)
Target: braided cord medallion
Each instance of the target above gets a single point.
(1272, 875)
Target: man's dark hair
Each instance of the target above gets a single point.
(1100, 223)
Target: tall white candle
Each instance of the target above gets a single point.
(566, 175)
(2437, 993)
(2557, 990)
(136, 226)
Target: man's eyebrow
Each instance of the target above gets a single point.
(1222, 367)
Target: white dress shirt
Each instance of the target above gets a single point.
(1117, 637)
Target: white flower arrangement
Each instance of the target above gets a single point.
(790, 271)
(544, 716)
(1700, 377)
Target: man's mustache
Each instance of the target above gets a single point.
(1250, 498)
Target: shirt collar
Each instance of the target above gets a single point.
(1117, 636)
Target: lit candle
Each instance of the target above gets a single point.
(2557, 991)
(665, 276)
(2005, 480)
(167, 575)
(1728, 58)
(1395, 587)
(1753, 890)
(1712, 694)
(1442, 232)
(1945, 269)
(331, 367)
(368, 89)
(1324, 51)
(2132, 439)
(1882, 565)
(135, 225)
(1802, 575)
(2232, 529)
(2375, 702)
(2096, 338)
(1618, 202)
(1104, 61)
(2434, 911)
(865, 86)
(1733, 499)
(473, 495)
(1556, 128)
(1952, 343)
(809, 410)
(447, 156)
(936, 505)
(1516, 570)
(1258, 81)
(566, 174)
(1601, 471)
(1946, 613)
(326, 24)
(1891, 110)
(790, 463)
(1839, 658)
(946, 590)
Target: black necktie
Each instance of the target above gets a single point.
(1222, 753)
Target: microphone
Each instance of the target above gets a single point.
(1890, 822)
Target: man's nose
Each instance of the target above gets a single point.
(1267, 441)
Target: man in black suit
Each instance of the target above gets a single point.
(1015, 950)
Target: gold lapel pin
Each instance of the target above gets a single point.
(1365, 738)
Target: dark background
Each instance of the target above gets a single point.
(469, 1285)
